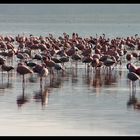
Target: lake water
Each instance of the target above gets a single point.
(77, 103)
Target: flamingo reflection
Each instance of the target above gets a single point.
(110, 78)
(42, 96)
(97, 81)
(133, 101)
(22, 99)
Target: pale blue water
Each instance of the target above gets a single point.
(76, 106)
(86, 19)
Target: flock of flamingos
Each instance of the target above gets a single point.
(48, 56)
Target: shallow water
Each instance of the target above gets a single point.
(76, 103)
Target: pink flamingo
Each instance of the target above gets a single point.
(132, 68)
(23, 70)
(41, 71)
(129, 57)
(7, 68)
(133, 77)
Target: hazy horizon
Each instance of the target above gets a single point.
(67, 9)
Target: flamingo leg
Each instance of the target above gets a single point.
(41, 91)
(8, 77)
(41, 84)
(2, 77)
(23, 85)
(76, 64)
(135, 86)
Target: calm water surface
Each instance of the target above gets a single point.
(77, 103)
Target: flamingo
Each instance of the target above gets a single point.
(59, 67)
(129, 57)
(133, 77)
(132, 68)
(49, 63)
(96, 63)
(30, 64)
(64, 59)
(76, 57)
(7, 68)
(2, 61)
(56, 60)
(37, 57)
(22, 56)
(41, 71)
(110, 61)
(87, 60)
(23, 70)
